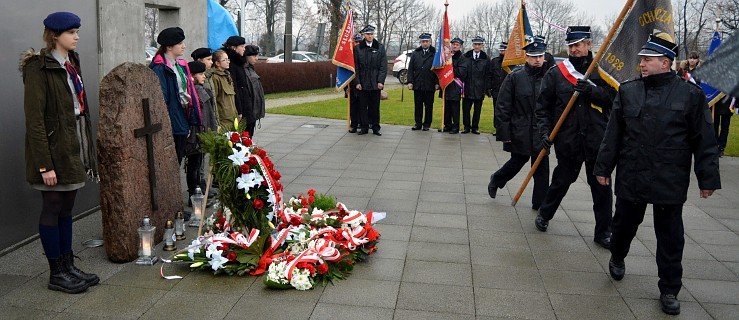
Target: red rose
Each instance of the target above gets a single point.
(306, 266)
(312, 192)
(264, 183)
(372, 234)
(322, 268)
(246, 134)
(231, 256)
(296, 221)
(276, 175)
(258, 204)
(246, 141)
(235, 137)
(245, 168)
(304, 202)
(252, 161)
(311, 199)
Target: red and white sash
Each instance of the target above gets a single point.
(570, 73)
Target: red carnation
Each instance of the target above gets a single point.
(235, 137)
(311, 199)
(252, 161)
(246, 141)
(372, 234)
(296, 221)
(304, 202)
(312, 192)
(306, 266)
(246, 134)
(262, 153)
(223, 246)
(231, 256)
(264, 183)
(245, 168)
(276, 175)
(322, 268)
(258, 204)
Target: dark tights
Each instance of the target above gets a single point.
(55, 223)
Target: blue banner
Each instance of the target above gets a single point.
(712, 94)
(220, 25)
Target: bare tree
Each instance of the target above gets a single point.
(334, 11)
(151, 25)
(272, 10)
(558, 12)
(728, 12)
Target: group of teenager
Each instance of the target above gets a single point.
(205, 94)
(647, 129)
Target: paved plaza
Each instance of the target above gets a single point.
(447, 251)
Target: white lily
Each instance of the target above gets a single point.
(194, 248)
(212, 250)
(239, 156)
(217, 261)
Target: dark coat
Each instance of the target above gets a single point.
(723, 106)
(419, 70)
(370, 63)
(515, 111)
(581, 133)
(255, 102)
(497, 74)
(478, 77)
(241, 83)
(453, 91)
(210, 120)
(51, 125)
(657, 125)
(181, 117)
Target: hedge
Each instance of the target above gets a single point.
(288, 77)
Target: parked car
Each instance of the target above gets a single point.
(399, 69)
(298, 56)
(150, 53)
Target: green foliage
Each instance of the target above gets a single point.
(324, 202)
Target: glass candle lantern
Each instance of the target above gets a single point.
(169, 237)
(146, 236)
(179, 226)
(197, 207)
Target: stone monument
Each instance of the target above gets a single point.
(139, 174)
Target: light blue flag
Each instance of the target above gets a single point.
(220, 25)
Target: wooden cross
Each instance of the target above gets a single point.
(148, 130)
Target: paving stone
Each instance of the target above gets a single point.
(562, 228)
(401, 314)
(401, 185)
(458, 274)
(10, 282)
(338, 311)
(722, 311)
(490, 223)
(133, 275)
(723, 253)
(589, 307)
(512, 304)
(549, 242)
(396, 194)
(424, 251)
(712, 291)
(437, 196)
(343, 191)
(396, 218)
(707, 270)
(443, 187)
(458, 208)
(691, 251)
(580, 283)
(498, 239)
(118, 301)
(651, 309)
(645, 287)
(77, 316)
(373, 293)
(439, 235)
(440, 220)
(733, 266)
(260, 291)
(391, 249)
(207, 283)
(509, 278)
(34, 294)
(16, 313)
(376, 268)
(357, 183)
(566, 260)
(390, 205)
(502, 257)
(250, 307)
(394, 232)
(173, 301)
(728, 238)
(436, 298)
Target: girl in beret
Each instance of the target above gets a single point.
(59, 149)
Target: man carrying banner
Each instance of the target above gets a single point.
(658, 123)
(514, 110)
(370, 61)
(454, 91)
(581, 133)
(351, 92)
(423, 81)
(477, 82)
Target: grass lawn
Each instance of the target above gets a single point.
(392, 110)
(299, 93)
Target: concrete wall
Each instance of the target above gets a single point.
(122, 27)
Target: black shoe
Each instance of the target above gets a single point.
(61, 280)
(670, 305)
(363, 132)
(446, 130)
(492, 189)
(416, 127)
(353, 130)
(454, 132)
(617, 269)
(603, 242)
(541, 224)
(89, 278)
(466, 131)
(721, 154)
(535, 207)
(475, 132)
(377, 133)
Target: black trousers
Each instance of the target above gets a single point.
(193, 164)
(495, 119)
(451, 115)
(721, 126)
(565, 173)
(466, 106)
(514, 165)
(353, 110)
(668, 227)
(424, 107)
(369, 110)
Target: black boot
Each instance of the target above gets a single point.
(61, 280)
(617, 269)
(670, 305)
(89, 278)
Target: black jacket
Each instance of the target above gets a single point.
(657, 125)
(478, 77)
(581, 133)
(496, 75)
(238, 74)
(453, 91)
(723, 106)
(515, 111)
(419, 70)
(370, 63)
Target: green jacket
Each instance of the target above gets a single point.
(51, 125)
(223, 90)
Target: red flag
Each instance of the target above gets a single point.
(344, 53)
(443, 58)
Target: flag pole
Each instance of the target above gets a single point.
(349, 107)
(591, 68)
(443, 107)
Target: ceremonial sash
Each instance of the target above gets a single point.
(572, 75)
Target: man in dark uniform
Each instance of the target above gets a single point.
(477, 82)
(423, 81)
(515, 110)
(497, 74)
(351, 92)
(370, 63)
(581, 133)
(658, 123)
(454, 91)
